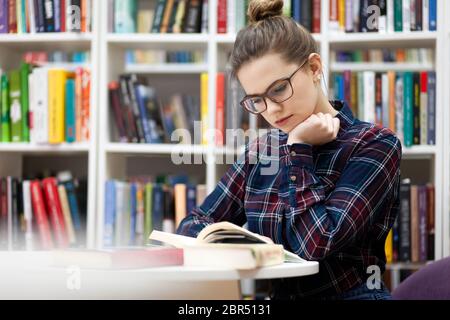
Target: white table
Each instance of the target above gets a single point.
(25, 275)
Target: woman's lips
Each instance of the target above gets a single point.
(283, 121)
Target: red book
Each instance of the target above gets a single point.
(63, 11)
(220, 109)
(85, 105)
(120, 258)
(55, 211)
(316, 17)
(12, 16)
(41, 215)
(222, 16)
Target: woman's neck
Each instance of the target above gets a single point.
(324, 106)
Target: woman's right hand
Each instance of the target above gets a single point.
(318, 129)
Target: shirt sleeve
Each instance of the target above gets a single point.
(318, 225)
(224, 203)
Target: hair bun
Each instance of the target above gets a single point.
(262, 9)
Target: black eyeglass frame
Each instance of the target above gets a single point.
(265, 95)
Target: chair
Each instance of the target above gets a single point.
(432, 282)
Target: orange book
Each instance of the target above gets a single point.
(391, 77)
(166, 17)
(180, 190)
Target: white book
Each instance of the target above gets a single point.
(231, 16)
(406, 15)
(399, 106)
(369, 96)
(424, 114)
(31, 15)
(390, 16)
(412, 14)
(120, 215)
(361, 110)
(348, 16)
(28, 215)
(385, 99)
(425, 15)
(40, 108)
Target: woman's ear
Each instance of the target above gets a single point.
(315, 63)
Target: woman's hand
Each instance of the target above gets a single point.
(318, 129)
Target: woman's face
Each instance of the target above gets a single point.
(257, 75)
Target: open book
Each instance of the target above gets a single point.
(224, 234)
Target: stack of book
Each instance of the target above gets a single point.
(134, 208)
(45, 105)
(41, 214)
(161, 16)
(405, 102)
(232, 14)
(384, 16)
(36, 16)
(164, 56)
(141, 116)
(412, 236)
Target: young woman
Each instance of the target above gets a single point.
(335, 194)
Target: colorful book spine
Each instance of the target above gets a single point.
(5, 122)
(110, 212)
(15, 107)
(70, 111)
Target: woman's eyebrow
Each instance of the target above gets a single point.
(267, 88)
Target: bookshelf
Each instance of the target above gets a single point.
(107, 159)
(17, 159)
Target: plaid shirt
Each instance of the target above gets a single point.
(333, 203)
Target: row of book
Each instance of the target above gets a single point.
(383, 16)
(36, 16)
(413, 55)
(412, 236)
(42, 214)
(133, 209)
(405, 102)
(45, 105)
(161, 16)
(164, 56)
(42, 57)
(141, 116)
(232, 14)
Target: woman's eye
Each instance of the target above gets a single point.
(256, 101)
(279, 89)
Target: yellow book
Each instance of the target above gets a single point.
(341, 10)
(204, 106)
(388, 247)
(56, 104)
(180, 190)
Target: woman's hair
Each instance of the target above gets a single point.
(269, 31)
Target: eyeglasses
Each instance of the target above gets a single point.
(279, 91)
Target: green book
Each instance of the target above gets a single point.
(15, 107)
(398, 16)
(148, 205)
(70, 111)
(408, 110)
(24, 73)
(125, 16)
(287, 8)
(6, 133)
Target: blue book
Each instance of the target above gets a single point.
(191, 197)
(39, 13)
(133, 211)
(408, 109)
(4, 27)
(57, 13)
(73, 204)
(70, 111)
(296, 10)
(110, 213)
(158, 207)
(142, 97)
(432, 15)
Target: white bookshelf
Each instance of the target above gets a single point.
(109, 159)
(80, 158)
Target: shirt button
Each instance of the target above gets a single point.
(293, 153)
(293, 178)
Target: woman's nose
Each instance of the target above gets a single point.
(273, 107)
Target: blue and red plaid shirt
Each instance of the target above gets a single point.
(333, 203)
